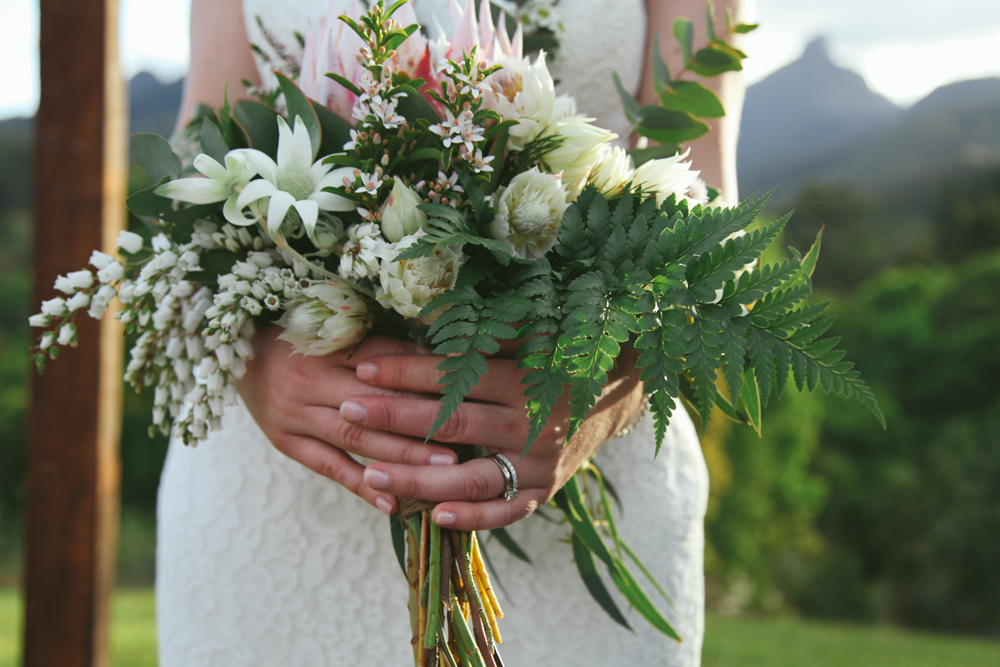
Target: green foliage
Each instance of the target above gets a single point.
(155, 156)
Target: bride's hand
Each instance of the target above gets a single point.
(492, 416)
(295, 400)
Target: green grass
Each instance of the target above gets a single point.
(133, 629)
(729, 642)
(791, 642)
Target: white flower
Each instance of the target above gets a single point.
(612, 171)
(400, 215)
(223, 183)
(48, 338)
(364, 251)
(529, 212)
(327, 317)
(579, 150)
(129, 242)
(73, 281)
(54, 307)
(67, 335)
(411, 284)
(478, 162)
(525, 92)
(111, 273)
(77, 301)
(39, 320)
(295, 181)
(99, 260)
(668, 176)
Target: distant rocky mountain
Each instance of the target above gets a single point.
(804, 110)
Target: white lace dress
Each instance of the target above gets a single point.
(261, 562)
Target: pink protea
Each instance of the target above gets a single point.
(332, 47)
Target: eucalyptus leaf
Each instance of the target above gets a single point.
(657, 152)
(683, 30)
(661, 73)
(212, 143)
(260, 124)
(693, 98)
(668, 126)
(145, 203)
(298, 105)
(155, 156)
(715, 59)
(632, 110)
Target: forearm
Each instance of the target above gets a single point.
(220, 56)
(715, 153)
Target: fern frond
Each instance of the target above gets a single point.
(703, 357)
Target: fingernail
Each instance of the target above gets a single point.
(367, 370)
(383, 504)
(352, 412)
(376, 479)
(441, 460)
(446, 519)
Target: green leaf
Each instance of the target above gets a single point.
(212, 143)
(260, 124)
(715, 59)
(592, 580)
(668, 126)
(401, 36)
(683, 30)
(808, 263)
(508, 543)
(709, 22)
(346, 83)
(658, 152)
(750, 398)
(631, 105)
(415, 107)
(744, 28)
(298, 105)
(145, 203)
(693, 98)
(661, 73)
(155, 157)
(334, 130)
(398, 540)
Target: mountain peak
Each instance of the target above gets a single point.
(816, 51)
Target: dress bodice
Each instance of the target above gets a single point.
(601, 37)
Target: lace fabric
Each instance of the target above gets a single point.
(262, 562)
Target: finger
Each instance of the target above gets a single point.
(327, 383)
(378, 346)
(325, 424)
(472, 423)
(488, 514)
(419, 373)
(330, 462)
(474, 480)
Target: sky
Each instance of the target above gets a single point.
(903, 48)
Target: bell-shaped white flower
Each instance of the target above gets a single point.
(223, 183)
(529, 212)
(326, 317)
(670, 176)
(400, 215)
(295, 181)
(411, 284)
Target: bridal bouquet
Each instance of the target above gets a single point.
(441, 190)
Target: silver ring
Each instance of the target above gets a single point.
(509, 476)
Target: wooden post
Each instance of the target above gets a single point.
(74, 421)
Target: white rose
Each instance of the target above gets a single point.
(529, 212)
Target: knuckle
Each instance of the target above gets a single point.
(331, 468)
(454, 429)
(351, 437)
(478, 485)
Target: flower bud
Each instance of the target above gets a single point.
(99, 260)
(400, 215)
(78, 301)
(129, 242)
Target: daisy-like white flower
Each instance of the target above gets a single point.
(223, 183)
(529, 212)
(295, 181)
(480, 163)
